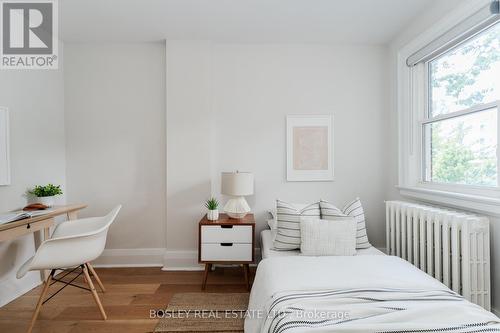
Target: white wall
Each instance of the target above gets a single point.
(35, 100)
(241, 126)
(190, 128)
(419, 25)
(115, 142)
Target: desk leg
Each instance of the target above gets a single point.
(39, 237)
(46, 235)
(72, 215)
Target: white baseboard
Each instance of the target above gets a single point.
(131, 258)
(181, 260)
(169, 260)
(183, 269)
(187, 260)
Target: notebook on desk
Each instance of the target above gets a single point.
(19, 215)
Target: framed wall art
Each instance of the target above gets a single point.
(309, 148)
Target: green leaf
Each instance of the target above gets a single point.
(46, 191)
(212, 204)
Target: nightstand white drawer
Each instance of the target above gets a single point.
(226, 234)
(226, 252)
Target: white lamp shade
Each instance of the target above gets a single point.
(237, 183)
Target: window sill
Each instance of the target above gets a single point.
(474, 203)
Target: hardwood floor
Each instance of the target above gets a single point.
(130, 294)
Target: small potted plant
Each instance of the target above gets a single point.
(46, 194)
(213, 212)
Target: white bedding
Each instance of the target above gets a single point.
(282, 276)
(266, 248)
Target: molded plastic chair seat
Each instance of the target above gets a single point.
(25, 268)
(74, 243)
(87, 236)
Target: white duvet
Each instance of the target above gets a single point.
(357, 294)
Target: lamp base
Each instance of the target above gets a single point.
(237, 208)
(236, 216)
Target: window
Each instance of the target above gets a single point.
(448, 89)
(460, 126)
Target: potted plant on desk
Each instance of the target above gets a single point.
(46, 194)
(213, 209)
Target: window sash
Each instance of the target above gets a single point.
(423, 81)
(426, 142)
(460, 113)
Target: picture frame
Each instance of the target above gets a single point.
(309, 148)
(4, 147)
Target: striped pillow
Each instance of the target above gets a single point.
(288, 217)
(353, 209)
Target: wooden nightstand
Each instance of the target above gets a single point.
(226, 241)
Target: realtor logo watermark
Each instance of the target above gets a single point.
(28, 34)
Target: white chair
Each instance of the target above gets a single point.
(74, 243)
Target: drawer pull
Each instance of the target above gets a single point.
(226, 226)
(226, 244)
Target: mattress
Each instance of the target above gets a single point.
(378, 293)
(266, 248)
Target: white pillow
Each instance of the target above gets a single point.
(328, 238)
(273, 223)
(288, 217)
(353, 209)
(273, 234)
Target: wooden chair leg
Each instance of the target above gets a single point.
(94, 292)
(92, 270)
(40, 300)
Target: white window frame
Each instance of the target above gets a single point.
(413, 112)
(426, 158)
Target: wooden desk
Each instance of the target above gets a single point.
(22, 227)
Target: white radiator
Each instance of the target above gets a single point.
(452, 246)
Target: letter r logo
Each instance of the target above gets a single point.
(27, 27)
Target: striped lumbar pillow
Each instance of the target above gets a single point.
(288, 217)
(353, 209)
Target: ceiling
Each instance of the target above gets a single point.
(250, 21)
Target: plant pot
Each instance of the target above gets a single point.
(213, 215)
(47, 201)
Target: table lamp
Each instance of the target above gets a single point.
(237, 184)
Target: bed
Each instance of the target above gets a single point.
(368, 292)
